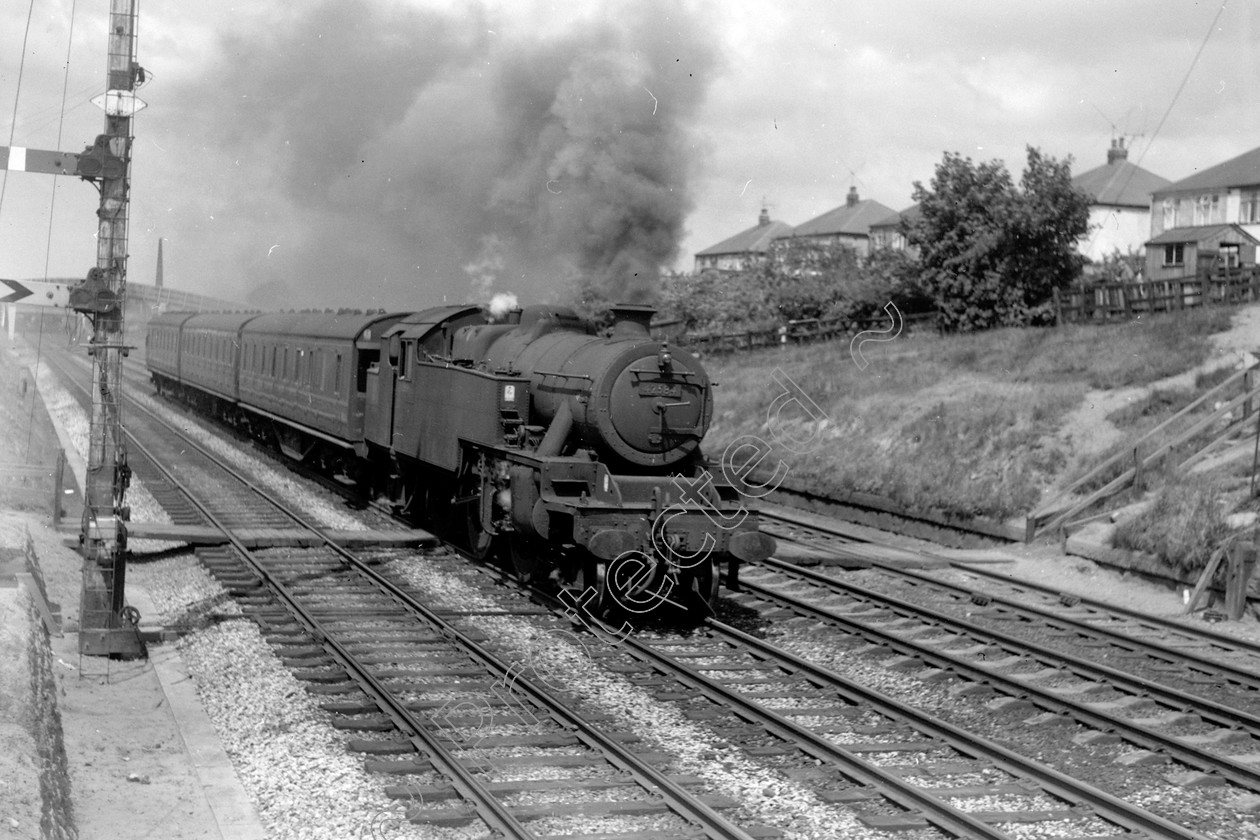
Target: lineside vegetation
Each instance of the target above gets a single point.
(964, 425)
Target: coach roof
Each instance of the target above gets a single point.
(222, 321)
(346, 326)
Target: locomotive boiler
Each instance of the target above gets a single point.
(571, 456)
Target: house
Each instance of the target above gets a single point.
(1120, 204)
(887, 233)
(744, 248)
(1207, 220)
(848, 225)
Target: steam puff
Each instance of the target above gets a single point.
(501, 304)
(414, 154)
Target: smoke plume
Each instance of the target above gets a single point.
(375, 154)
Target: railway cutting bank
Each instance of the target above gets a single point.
(961, 438)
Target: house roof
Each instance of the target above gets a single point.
(854, 218)
(1198, 234)
(754, 240)
(910, 214)
(1121, 183)
(1241, 171)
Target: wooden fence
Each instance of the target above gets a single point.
(1103, 302)
(1177, 444)
(805, 331)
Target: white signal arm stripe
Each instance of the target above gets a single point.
(17, 158)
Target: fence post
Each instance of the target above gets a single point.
(1138, 475)
(1249, 382)
(1242, 561)
(57, 487)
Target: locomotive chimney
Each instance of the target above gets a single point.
(632, 320)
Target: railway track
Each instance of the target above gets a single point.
(1188, 657)
(354, 634)
(898, 769)
(887, 766)
(1114, 701)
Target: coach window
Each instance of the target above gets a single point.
(337, 376)
(273, 361)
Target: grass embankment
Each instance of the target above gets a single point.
(969, 425)
(1185, 518)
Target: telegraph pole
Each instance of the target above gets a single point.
(107, 626)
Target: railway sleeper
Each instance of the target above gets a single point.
(624, 808)
(439, 793)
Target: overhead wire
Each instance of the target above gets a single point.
(1131, 171)
(52, 205)
(17, 96)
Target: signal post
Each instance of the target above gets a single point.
(107, 626)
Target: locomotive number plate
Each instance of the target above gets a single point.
(659, 389)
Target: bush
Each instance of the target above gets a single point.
(1183, 526)
(798, 280)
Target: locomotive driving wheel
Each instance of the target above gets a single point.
(700, 587)
(527, 558)
(480, 542)
(592, 577)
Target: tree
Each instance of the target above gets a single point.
(797, 280)
(991, 254)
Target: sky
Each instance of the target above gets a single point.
(405, 153)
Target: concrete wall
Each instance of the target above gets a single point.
(32, 750)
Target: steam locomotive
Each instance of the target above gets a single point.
(571, 457)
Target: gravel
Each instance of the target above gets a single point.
(180, 585)
(304, 782)
(764, 794)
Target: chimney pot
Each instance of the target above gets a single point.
(852, 199)
(764, 218)
(1117, 152)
